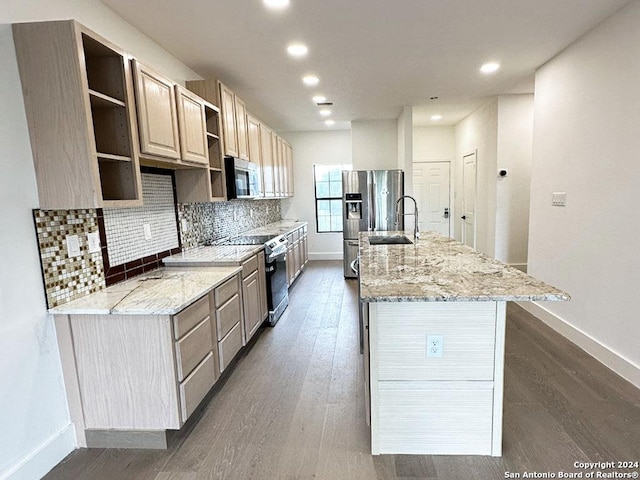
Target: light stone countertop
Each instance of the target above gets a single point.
(215, 254)
(441, 269)
(165, 291)
(277, 228)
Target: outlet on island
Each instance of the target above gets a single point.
(147, 231)
(434, 346)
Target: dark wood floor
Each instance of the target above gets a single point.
(293, 408)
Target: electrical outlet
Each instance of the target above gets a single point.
(93, 240)
(73, 245)
(435, 344)
(147, 231)
(184, 225)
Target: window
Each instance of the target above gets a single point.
(328, 190)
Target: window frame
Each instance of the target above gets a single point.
(329, 198)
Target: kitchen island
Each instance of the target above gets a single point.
(434, 328)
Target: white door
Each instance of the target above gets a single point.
(469, 200)
(431, 187)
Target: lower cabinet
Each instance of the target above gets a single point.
(228, 312)
(150, 372)
(254, 294)
(297, 253)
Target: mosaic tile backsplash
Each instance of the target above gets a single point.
(208, 222)
(65, 278)
(125, 227)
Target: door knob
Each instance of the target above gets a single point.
(463, 217)
(446, 212)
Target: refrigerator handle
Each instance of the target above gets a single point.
(372, 205)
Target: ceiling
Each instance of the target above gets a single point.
(372, 57)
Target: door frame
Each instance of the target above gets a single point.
(475, 199)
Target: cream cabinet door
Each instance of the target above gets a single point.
(267, 161)
(288, 155)
(251, 302)
(227, 100)
(157, 113)
(192, 127)
(241, 129)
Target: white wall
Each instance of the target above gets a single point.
(515, 137)
(35, 432)
(311, 148)
(374, 144)
(585, 143)
(479, 131)
(405, 153)
(434, 144)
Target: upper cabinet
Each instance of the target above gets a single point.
(79, 104)
(267, 162)
(228, 107)
(241, 129)
(192, 123)
(157, 113)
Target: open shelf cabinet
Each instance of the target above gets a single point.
(81, 115)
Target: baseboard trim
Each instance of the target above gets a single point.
(623, 367)
(39, 462)
(520, 266)
(325, 256)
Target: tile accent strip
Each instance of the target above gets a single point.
(66, 278)
(208, 222)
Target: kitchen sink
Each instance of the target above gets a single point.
(389, 240)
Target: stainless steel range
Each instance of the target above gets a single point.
(275, 254)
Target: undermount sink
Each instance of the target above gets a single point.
(389, 240)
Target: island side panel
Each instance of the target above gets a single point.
(70, 376)
(498, 379)
(126, 371)
(450, 400)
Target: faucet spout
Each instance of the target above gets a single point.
(416, 232)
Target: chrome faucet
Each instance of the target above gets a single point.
(416, 233)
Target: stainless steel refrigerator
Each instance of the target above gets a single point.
(369, 204)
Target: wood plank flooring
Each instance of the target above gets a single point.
(293, 408)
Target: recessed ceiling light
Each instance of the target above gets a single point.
(297, 50)
(319, 99)
(489, 67)
(276, 4)
(325, 113)
(329, 122)
(436, 117)
(311, 80)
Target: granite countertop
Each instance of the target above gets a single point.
(165, 291)
(216, 254)
(440, 269)
(277, 228)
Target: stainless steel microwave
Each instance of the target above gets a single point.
(243, 178)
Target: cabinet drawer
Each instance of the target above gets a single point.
(435, 417)
(225, 291)
(191, 316)
(227, 316)
(229, 346)
(249, 266)
(467, 328)
(196, 386)
(192, 348)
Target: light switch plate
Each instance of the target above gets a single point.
(93, 241)
(73, 245)
(147, 231)
(435, 345)
(184, 224)
(559, 199)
